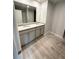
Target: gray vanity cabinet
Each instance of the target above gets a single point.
(27, 36)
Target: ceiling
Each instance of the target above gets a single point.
(40, 1)
(54, 1)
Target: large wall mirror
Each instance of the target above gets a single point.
(24, 13)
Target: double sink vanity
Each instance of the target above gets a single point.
(28, 27)
(30, 31)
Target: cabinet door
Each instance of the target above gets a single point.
(38, 32)
(24, 38)
(42, 30)
(31, 35)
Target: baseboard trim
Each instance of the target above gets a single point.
(56, 35)
(47, 33)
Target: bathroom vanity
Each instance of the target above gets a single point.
(30, 31)
(28, 27)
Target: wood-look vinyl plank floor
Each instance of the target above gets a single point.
(46, 47)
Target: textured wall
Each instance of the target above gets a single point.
(58, 23)
(50, 11)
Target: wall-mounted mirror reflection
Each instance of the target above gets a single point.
(24, 13)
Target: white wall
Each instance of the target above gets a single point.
(43, 10)
(55, 22)
(16, 34)
(16, 40)
(58, 23)
(50, 12)
(15, 52)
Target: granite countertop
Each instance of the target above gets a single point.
(29, 26)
